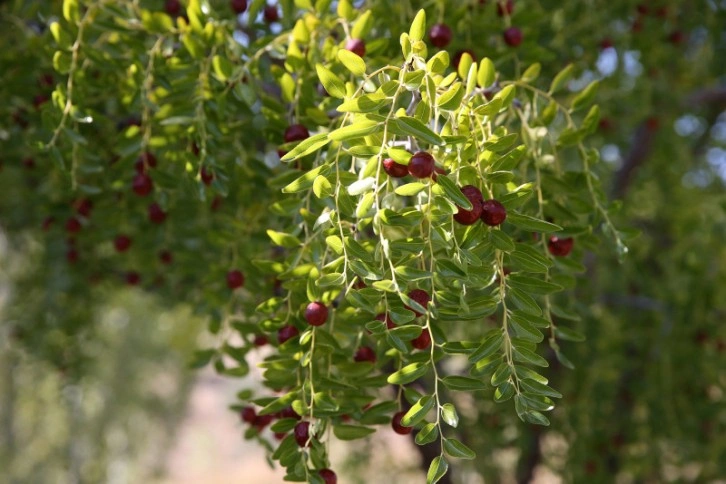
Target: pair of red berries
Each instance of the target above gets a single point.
(422, 341)
(491, 211)
(421, 165)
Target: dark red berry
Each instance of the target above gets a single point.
(235, 279)
(29, 163)
(365, 353)
(83, 206)
(262, 421)
(642, 9)
(316, 313)
(396, 424)
(46, 80)
(271, 14)
(420, 296)
(133, 278)
(505, 7)
(302, 433)
(328, 476)
(248, 415)
(122, 243)
(165, 257)
(72, 255)
(459, 54)
(172, 7)
(142, 184)
(676, 37)
(468, 217)
(396, 170)
(421, 165)
(156, 214)
(296, 132)
(606, 43)
(513, 36)
(280, 435)
(216, 203)
(356, 46)
(207, 176)
(560, 247)
(286, 332)
(73, 225)
(288, 412)
(146, 160)
(260, 340)
(47, 223)
(238, 6)
(423, 340)
(493, 212)
(652, 123)
(39, 100)
(387, 319)
(440, 35)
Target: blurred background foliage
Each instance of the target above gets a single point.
(95, 377)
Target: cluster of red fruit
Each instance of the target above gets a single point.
(269, 13)
(440, 35)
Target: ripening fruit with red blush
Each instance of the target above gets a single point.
(270, 14)
(156, 214)
(248, 415)
(316, 313)
(328, 476)
(365, 353)
(513, 36)
(440, 35)
(560, 247)
(420, 296)
(296, 132)
(235, 279)
(468, 217)
(356, 46)
(142, 184)
(238, 6)
(286, 332)
(122, 243)
(206, 176)
(421, 165)
(302, 433)
(396, 424)
(505, 7)
(493, 212)
(133, 278)
(423, 341)
(395, 170)
(73, 225)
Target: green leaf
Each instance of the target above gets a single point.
(352, 432)
(284, 240)
(418, 26)
(504, 392)
(358, 129)
(454, 448)
(501, 240)
(408, 126)
(332, 83)
(451, 99)
(532, 72)
(534, 417)
(453, 192)
(586, 96)
(408, 373)
(361, 186)
(523, 355)
(71, 11)
(305, 182)
(418, 411)
(352, 62)
(531, 224)
(565, 361)
(568, 334)
(562, 78)
(486, 74)
(437, 469)
(427, 434)
(322, 188)
(463, 383)
(364, 104)
(222, 67)
(410, 189)
(448, 413)
(524, 301)
(506, 95)
(539, 388)
(590, 124)
(502, 374)
(526, 331)
(488, 347)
